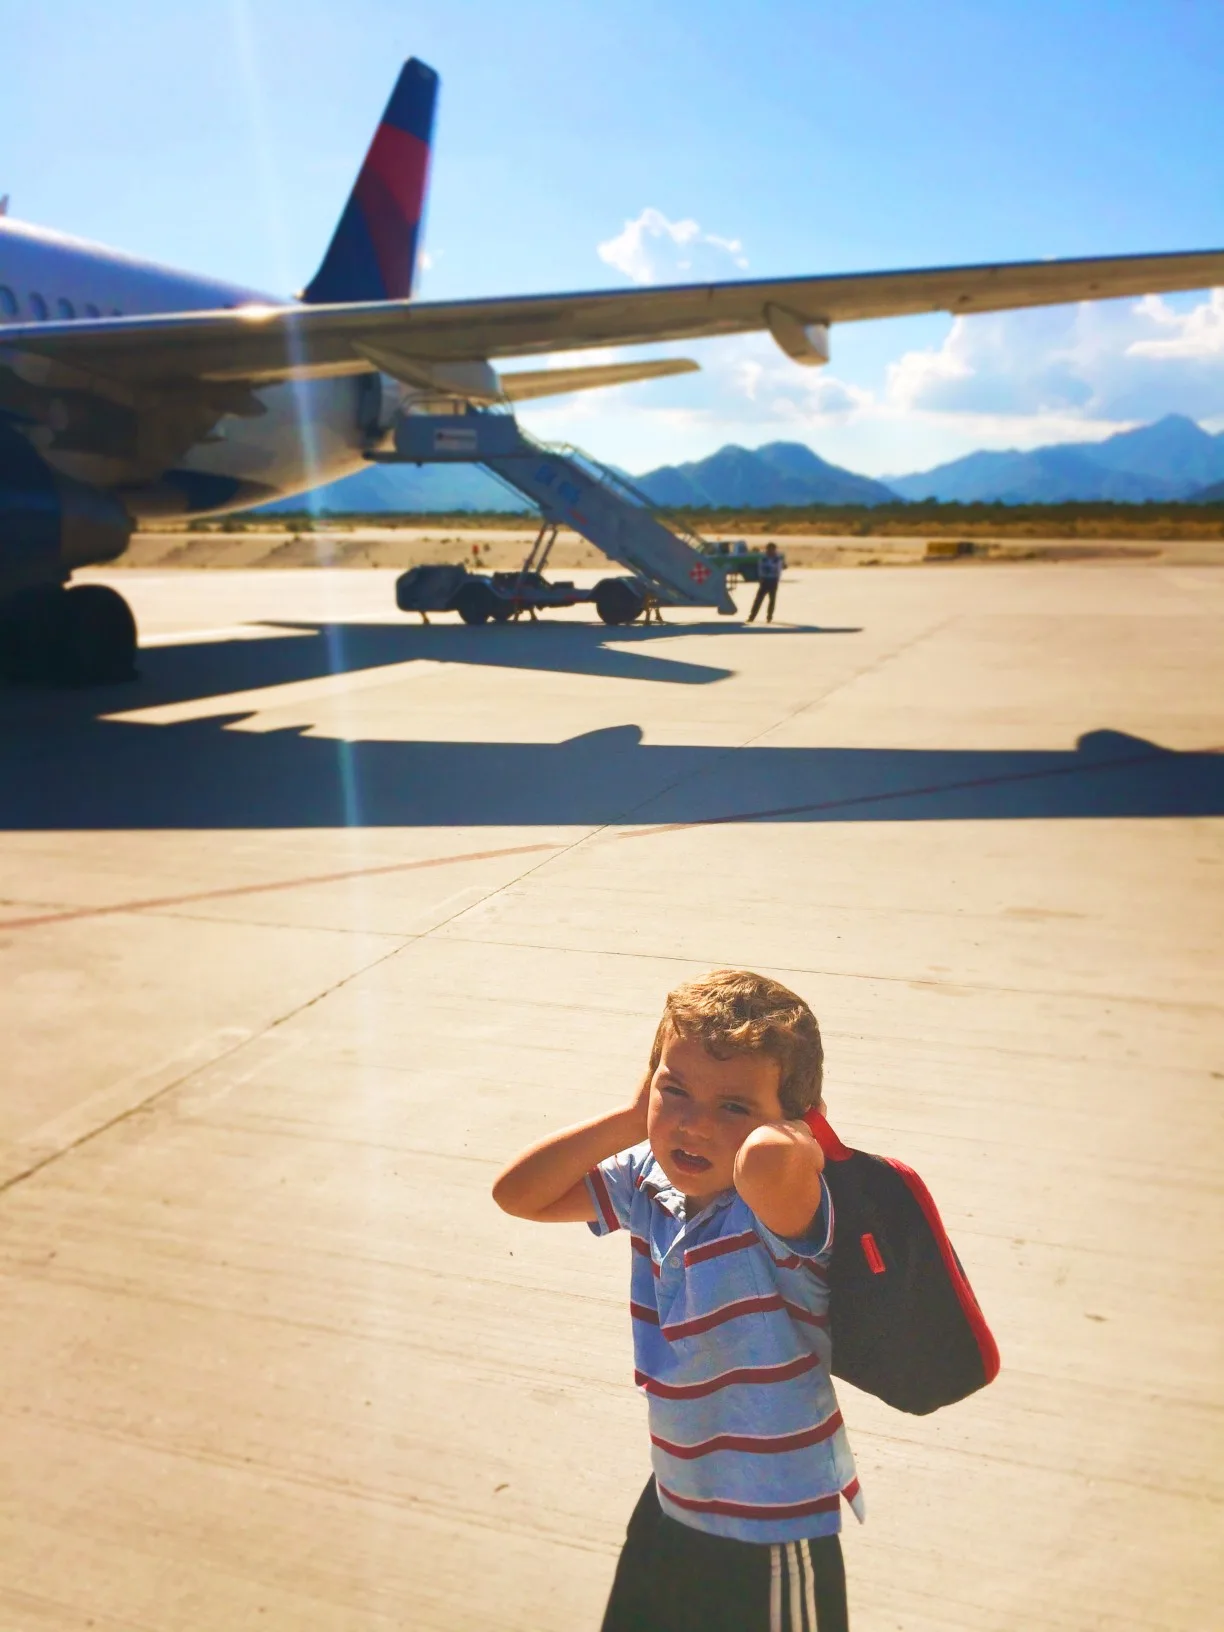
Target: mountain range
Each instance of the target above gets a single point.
(1173, 459)
(779, 473)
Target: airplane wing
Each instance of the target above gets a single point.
(525, 383)
(256, 344)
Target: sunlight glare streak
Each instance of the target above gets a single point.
(271, 191)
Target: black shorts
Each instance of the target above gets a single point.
(671, 1578)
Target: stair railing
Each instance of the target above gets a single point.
(610, 477)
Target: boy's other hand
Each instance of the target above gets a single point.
(639, 1107)
(777, 1172)
(546, 1183)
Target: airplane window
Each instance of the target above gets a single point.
(8, 301)
(65, 308)
(38, 306)
(91, 310)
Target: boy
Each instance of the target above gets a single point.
(719, 1185)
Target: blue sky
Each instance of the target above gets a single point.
(688, 140)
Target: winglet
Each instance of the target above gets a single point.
(372, 255)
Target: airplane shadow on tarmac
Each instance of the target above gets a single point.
(311, 651)
(65, 767)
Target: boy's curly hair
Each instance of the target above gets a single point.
(732, 1011)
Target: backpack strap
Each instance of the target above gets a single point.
(824, 1136)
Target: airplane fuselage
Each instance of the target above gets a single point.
(160, 458)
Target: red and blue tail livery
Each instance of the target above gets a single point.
(372, 255)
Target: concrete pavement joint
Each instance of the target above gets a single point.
(606, 827)
(126, 1115)
(788, 714)
(858, 974)
(298, 1009)
(449, 1510)
(12, 1180)
(870, 667)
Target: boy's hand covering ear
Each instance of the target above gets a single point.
(777, 1172)
(640, 1103)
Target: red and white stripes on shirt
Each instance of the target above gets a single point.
(731, 1348)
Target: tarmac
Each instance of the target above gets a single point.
(306, 931)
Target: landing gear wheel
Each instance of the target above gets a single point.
(476, 603)
(502, 611)
(99, 637)
(618, 602)
(77, 637)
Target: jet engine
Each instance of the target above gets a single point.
(379, 402)
(51, 524)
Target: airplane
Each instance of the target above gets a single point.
(129, 391)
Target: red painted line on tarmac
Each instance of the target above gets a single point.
(151, 903)
(781, 811)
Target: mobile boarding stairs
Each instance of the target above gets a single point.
(668, 564)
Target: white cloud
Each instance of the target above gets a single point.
(1196, 334)
(770, 387)
(651, 248)
(1099, 361)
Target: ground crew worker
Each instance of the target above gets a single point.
(769, 570)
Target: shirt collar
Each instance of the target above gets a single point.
(656, 1185)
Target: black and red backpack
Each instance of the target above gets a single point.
(903, 1320)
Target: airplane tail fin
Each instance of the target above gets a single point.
(372, 255)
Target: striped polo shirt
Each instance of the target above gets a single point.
(731, 1347)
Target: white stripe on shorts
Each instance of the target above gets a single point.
(809, 1587)
(800, 1585)
(796, 1594)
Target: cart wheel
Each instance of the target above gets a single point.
(618, 602)
(476, 602)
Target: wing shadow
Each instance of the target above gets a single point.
(91, 775)
(66, 766)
